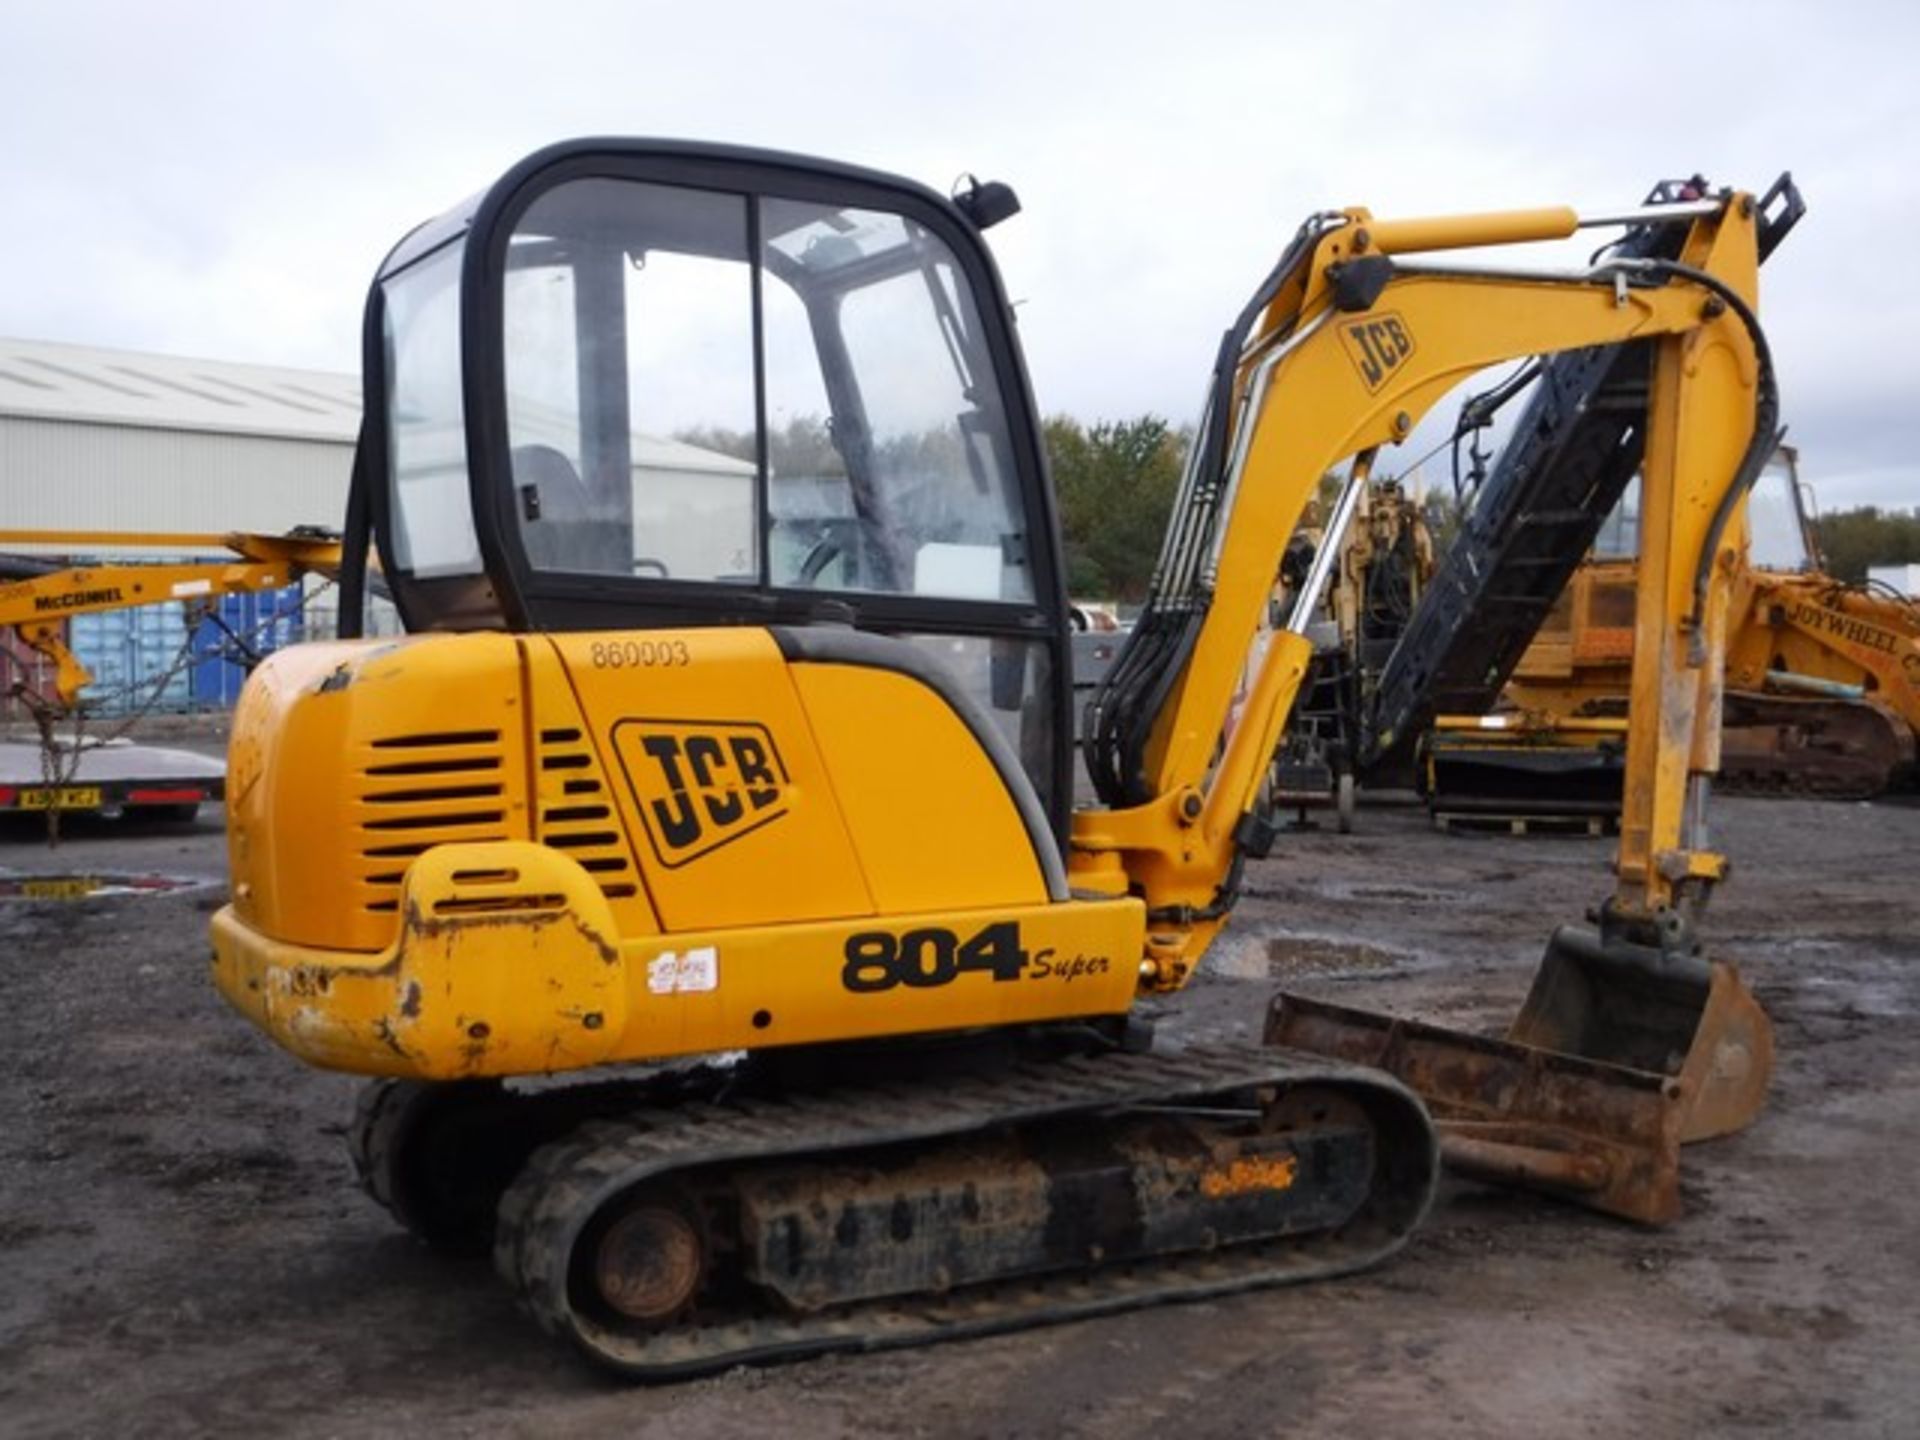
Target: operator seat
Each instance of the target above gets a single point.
(564, 524)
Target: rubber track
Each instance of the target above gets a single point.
(377, 1111)
(566, 1182)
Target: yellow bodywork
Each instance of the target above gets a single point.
(1810, 625)
(461, 856)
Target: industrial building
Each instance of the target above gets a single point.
(94, 439)
(114, 440)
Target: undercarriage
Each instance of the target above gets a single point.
(790, 1206)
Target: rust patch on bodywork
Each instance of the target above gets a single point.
(426, 926)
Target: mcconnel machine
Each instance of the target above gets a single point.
(734, 722)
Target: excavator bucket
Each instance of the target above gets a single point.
(1628, 1005)
(1618, 1057)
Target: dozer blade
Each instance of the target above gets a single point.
(1465, 778)
(1617, 1059)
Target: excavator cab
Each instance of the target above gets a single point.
(1783, 536)
(644, 386)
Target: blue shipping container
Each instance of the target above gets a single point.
(140, 659)
(264, 619)
(133, 654)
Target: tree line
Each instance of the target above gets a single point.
(1866, 535)
(1116, 481)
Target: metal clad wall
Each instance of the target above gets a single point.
(57, 474)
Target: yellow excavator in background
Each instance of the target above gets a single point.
(35, 607)
(1385, 564)
(1822, 697)
(735, 719)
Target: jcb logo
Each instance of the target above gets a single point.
(701, 784)
(1377, 345)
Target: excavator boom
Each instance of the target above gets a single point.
(1350, 350)
(1633, 999)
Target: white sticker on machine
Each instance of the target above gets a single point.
(690, 973)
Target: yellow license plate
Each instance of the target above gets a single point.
(66, 797)
(71, 887)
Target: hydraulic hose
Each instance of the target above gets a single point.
(1121, 716)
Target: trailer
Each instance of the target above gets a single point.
(111, 779)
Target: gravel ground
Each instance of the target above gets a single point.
(182, 1251)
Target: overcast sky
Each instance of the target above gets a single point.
(221, 180)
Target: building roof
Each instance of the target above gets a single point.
(79, 383)
(44, 380)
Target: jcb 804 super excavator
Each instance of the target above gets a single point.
(735, 719)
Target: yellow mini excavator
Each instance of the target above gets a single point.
(734, 723)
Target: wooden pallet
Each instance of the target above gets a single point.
(1487, 822)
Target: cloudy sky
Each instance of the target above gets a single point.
(221, 179)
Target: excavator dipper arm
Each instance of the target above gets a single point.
(1348, 357)
(1631, 1041)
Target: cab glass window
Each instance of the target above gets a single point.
(1619, 534)
(433, 532)
(628, 324)
(706, 387)
(902, 481)
(1778, 537)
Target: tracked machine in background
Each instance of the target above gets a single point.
(1385, 564)
(722, 734)
(1534, 512)
(1822, 699)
